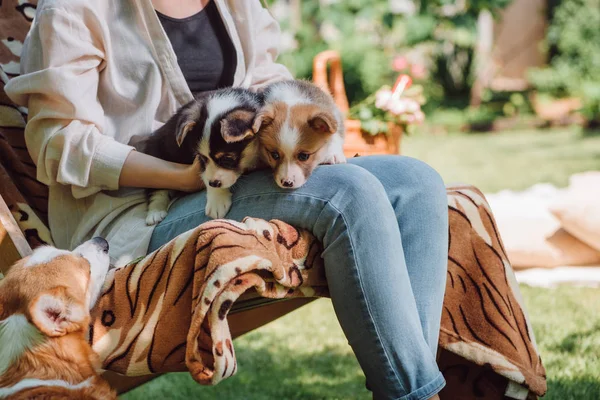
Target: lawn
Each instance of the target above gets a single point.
(305, 355)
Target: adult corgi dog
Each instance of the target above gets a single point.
(216, 127)
(45, 302)
(299, 127)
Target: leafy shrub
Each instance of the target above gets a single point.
(440, 34)
(574, 34)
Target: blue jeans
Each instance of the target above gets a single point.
(383, 222)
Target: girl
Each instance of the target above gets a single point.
(98, 75)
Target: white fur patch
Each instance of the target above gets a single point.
(218, 105)
(99, 263)
(288, 138)
(33, 383)
(16, 336)
(218, 202)
(335, 150)
(157, 207)
(44, 254)
(288, 94)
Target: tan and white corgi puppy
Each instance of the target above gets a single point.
(217, 128)
(45, 302)
(299, 128)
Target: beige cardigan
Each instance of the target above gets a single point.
(96, 76)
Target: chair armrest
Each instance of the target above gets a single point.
(13, 245)
(332, 80)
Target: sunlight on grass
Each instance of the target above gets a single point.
(511, 160)
(566, 322)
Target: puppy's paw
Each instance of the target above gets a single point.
(339, 158)
(218, 202)
(155, 216)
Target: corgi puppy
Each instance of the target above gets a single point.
(300, 127)
(45, 302)
(216, 127)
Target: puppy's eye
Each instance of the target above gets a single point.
(203, 161)
(275, 155)
(303, 156)
(227, 161)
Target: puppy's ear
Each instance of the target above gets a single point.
(189, 115)
(235, 126)
(55, 313)
(323, 122)
(182, 132)
(265, 116)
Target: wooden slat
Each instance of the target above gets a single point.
(13, 245)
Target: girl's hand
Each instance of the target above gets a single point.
(190, 178)
(144, 171)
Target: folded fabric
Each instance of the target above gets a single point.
(578, 209)
(533, 236)
(168, 311)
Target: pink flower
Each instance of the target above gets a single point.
(382, 98)
(419, 117)
(412, 106)
(399, 63)
(398, 107)
(418, 71)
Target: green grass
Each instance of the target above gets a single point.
(566, 322)
(305, 355)
(301, 356)
(512, 160)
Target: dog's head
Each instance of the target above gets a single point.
(53, 289)
(293, 138)
(221, 130)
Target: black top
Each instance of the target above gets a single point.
(204, 50)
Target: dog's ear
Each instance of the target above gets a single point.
(235, 126)
(183, 130)
(323, 122)
(187, 119)
(264, 117)
(55, 313)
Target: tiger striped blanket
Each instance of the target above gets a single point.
(168, 311)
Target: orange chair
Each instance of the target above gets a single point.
(328, 75)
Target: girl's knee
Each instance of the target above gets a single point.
(349, 186)
(408, 175)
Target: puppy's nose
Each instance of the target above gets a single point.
(215, 183)
(287, 184)
(101, 243)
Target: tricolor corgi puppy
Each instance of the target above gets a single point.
(300, 127)
(45, 302)
(216, 128)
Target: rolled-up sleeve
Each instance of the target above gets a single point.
(267, 41)
(61, 65)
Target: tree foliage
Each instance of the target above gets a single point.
(441, 34)
(574, 69)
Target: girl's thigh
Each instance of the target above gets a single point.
(256, 195)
